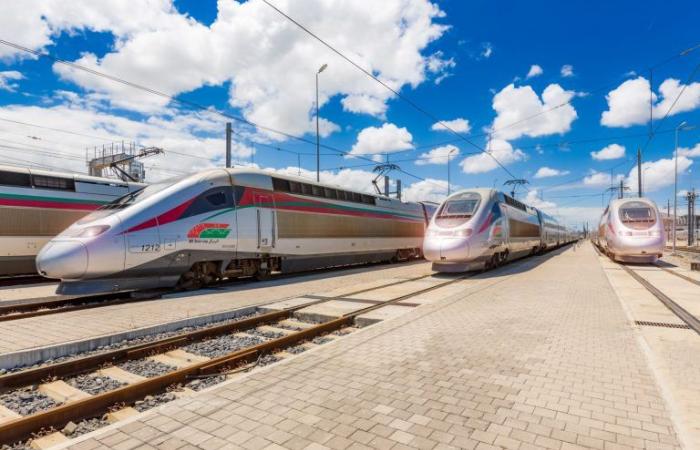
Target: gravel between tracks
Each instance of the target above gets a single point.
(146, 367)
(94, 384)
(222, 345)
(129, 342)
(26, 401)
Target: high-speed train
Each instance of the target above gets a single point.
(482, 228)
(224, 223)
(36, 205)
(632, 230)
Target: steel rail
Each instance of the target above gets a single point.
(89, 363)
(22, 280)
(680, 312)
(680, 275)
(24, 427)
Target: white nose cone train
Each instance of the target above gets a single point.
(224, 223)
(482, 228)
(631, 230)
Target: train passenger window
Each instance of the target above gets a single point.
(65, 184)
(15, 179)
(306, 189)
(317, 191)
(279, 184)
(357, 198)
(368, 199)
(294, 187)
(345, 195)
(330, 193)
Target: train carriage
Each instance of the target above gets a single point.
(227, 223)
(482, 228)
(36, 205)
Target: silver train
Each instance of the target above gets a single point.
(482, 228)
(225, 223)
(36, 205)
(632, 230)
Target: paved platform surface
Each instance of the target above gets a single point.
(543, 358)
(19, 335)
(674, 353)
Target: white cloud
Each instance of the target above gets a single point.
(601, 179)
(429, 189)
(628, 104)
(487, 50)
(191, 141)
(612, 151)
(535, 71)
(552, 114)
(386, 139)
(439, 66)
(682, 193)
(438, 155)
(483, 162)
(459, 125)
(658, 174)
(270, 63)
(6, 80)
(545, 172)
(567, 70)
(534, 199)
(690, 152)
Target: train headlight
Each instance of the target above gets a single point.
(93, 231)
(655, 233)
(432, 232)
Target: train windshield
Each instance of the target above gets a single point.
(125, 200)
(460, 206)
(637, 215)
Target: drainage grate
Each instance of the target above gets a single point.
(663, 325)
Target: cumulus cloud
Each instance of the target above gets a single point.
(601, 179)
(385, 139)
(487, 50)
(533, 198)
(7, 79)
(552, 114)
(192, 142)
(269, 63)
(690, 152)
(546, 172)
(429, 189)
(483, 162)
(438, 155)
(459, 125)
(567, 70)
(658, 174)
(628, 104)
(535, 71)
(612, 151)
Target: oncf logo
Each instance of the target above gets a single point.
(209, 231)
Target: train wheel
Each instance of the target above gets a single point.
(199, 275)
(263, 274)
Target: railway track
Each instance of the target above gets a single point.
(288, 332)
(684, 315)
(22, 280)
(43, 307)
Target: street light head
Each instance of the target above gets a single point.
(323, 67)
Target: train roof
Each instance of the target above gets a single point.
(72, 176)
(615, 203)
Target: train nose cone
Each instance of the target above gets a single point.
(64, 260)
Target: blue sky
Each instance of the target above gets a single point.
(455, 59)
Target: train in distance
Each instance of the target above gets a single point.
(224, 223)
(483, 228)
(632, 230)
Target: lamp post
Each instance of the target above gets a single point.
(681, 127)
(318, 140)
(449, 154)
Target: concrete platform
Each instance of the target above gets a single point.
(539, 354)
(27, 341)
(15, 295)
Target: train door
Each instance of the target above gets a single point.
(265, 206)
